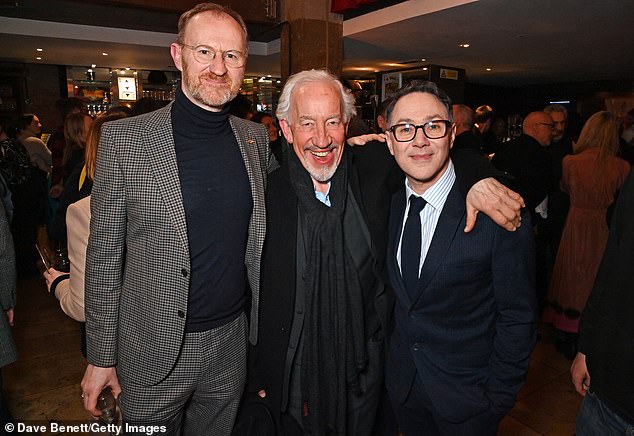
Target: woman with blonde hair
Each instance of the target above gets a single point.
(592, 176)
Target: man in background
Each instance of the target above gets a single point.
(558, 201)
(463, 119)
(484, 118)
(526, 159)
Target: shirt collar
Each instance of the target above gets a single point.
(324, 198)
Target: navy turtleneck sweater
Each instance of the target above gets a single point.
(218, 204)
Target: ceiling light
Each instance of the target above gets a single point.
(127, 68)
(425, 68)
(39, 49)
(488, 68)
(104, 54)
(38, 58)
(93, 66)
(465, 45)
(423, 60)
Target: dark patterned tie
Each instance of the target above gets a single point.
(410, 245)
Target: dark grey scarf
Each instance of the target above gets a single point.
(334, 346)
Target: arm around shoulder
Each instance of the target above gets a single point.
(106, 251)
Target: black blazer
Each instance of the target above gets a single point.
(607, 326)
(372, 177)
(470, 330)
(529, 163)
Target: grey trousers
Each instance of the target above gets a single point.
(201, 394)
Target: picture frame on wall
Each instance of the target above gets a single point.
(391, 82)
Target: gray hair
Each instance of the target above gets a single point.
(556, 108)
(307, 76)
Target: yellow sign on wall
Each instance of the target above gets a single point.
(446, 73)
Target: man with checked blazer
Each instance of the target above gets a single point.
(178, 224)
(465, 313)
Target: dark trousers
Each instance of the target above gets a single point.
(418, 417)
(596, 418)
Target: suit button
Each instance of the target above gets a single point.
(181, 314)
(283, 329)
(416, 346)
(184, 272)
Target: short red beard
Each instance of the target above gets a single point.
(210, 95)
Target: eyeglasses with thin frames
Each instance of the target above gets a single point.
(434, 129)
(206, 55)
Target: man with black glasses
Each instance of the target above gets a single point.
(465, 302)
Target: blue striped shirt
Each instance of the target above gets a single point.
(435, 196)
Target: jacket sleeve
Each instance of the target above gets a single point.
(71, 306)
(471, 167)
(105, 254)
(7, 264)
(515, 329)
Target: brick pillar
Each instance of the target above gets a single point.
(311, 38)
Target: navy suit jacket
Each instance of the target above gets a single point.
(469, 331)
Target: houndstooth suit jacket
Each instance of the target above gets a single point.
(137, 261)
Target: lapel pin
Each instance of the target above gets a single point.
(250, 141)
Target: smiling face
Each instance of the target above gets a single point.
(211, 85)
(316, 129)
(423, 160)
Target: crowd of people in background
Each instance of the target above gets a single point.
(321, 204)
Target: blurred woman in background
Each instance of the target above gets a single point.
(273, 131)
(592, 176)
(76, 129)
